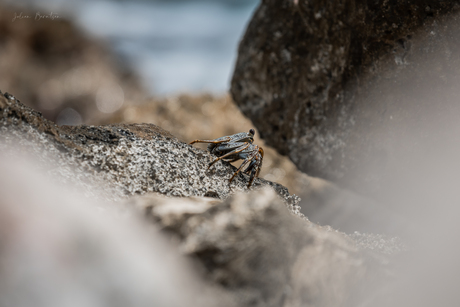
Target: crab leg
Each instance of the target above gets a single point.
(227, 139)
(240, 149)
(249, 158)
(251, 178)
(254, 173)
(231, 160)
(257, 163)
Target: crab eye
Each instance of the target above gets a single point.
(252, 131)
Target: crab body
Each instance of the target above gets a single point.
(227, 144)
(237, 147)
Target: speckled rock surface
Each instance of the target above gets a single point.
(207, 116)
(124, 159)
(308, 76)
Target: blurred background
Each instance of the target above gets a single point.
(168, 63)
(175, 45)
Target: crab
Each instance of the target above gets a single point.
(237, 147)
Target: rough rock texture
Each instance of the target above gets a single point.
(207, 117)
(307, 75)
(125, 159)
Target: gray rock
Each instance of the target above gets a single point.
(254, 248)
(58, 248)
(336, 85)
(263, 256)
(123, 159)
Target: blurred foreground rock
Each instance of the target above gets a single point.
(254, 248)
(347, 88)
(58, 248)
(249, 249)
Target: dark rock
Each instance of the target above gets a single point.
(331, 84)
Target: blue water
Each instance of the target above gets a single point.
(175, 46)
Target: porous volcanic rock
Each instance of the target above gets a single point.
(125, 159)
(309, 75)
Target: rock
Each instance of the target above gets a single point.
(125, 159)
(336, 86)
(251, 249)
(58, 248)
(207, 117)
(264, 256)
(55, 68)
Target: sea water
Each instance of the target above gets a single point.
(175, 46)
